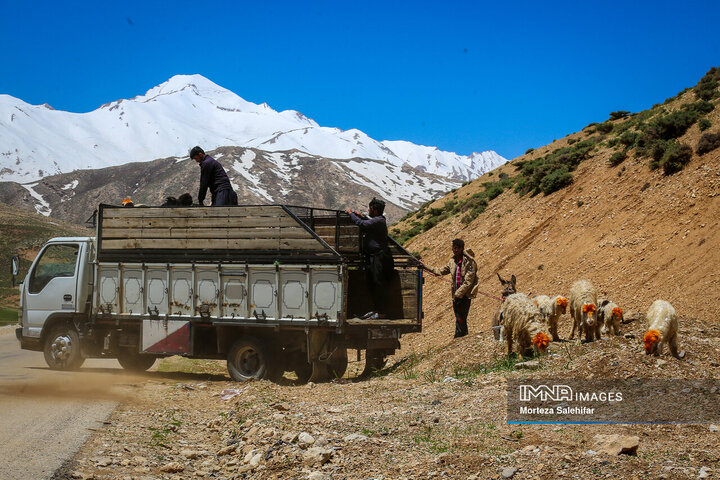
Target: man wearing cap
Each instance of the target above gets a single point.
(213, 176)
(464, 283)
(379, 264)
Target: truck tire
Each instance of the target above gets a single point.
(62, 348)
(303, 370)
(130, 359)
(338, 363)
(249, 359)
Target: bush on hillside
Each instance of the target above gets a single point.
(706, 89)
(617, 158)
(704, 124)
(707, 143)
(619, 114)
(628, 139)
(529, 150)
(556, 180)
(676, 156)
(674, 125)
(605, 127)
(700, 108)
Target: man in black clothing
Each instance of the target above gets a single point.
(379, 263)
(213, 176)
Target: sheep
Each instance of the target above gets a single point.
(523, 323)
(509, 287)
(552, 309)
(662, 328)
(610, 316)
(583, 309)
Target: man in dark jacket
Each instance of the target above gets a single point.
(213, 176)
(379, 264)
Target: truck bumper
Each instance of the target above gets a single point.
(27, 343)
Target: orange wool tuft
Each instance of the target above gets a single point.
(541, 341)
(588, 308)
(617, 312)
(650, 339)
(561, 302)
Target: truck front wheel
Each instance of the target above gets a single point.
(248, 359)
(62, 348)
(131, 359)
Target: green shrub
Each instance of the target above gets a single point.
(676, 156)
(675, 124)
(700, 108)
(503, 176)
(556, 180)
(706, 89)
(605, 127)
(628, 139)
(619, 114)
(529, 150)
(704, 124)
(707, 143)
(572, 140)
(617, 158)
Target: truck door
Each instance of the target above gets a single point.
(52, 286)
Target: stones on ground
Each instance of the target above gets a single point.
(316, 456)
(281, 407)
(103, 462)
(530, 364)
(172, 467)
(704, 472)
(226, 450)
(714, 428)
(190, 454)
(319, 476)
(616, 444)
(305, 440)
(255, 460)
(355, 437)
(508, 472)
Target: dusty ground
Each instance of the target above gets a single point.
(421, 418)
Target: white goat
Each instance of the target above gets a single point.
(610, 316)
(523, 323)
(662, 328)
(583, 308)
(552, 309)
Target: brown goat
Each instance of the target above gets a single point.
(508, 288)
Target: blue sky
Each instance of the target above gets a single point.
(463, 76)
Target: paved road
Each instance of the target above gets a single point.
(45, 415)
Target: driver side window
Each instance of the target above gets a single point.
(56, 261)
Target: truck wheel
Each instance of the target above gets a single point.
(131, 359)
(62, 348)
(303, 370)
(249, 359)
(338, 363)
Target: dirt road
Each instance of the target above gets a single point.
(45, 416)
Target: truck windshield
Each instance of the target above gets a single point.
(56, 261)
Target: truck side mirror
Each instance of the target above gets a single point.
(14, 267)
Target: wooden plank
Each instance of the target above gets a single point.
(183, 212)
(239, 222)
(344, 230)
(214, 244)
(209, 233)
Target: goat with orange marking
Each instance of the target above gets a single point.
(610, 316)
(662, 329)
(552, 309)
(523, 324)
(583, 309)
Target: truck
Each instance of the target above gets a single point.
(269, 288)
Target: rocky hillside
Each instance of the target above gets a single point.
(259, 177)
(623, 209)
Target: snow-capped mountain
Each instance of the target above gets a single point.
(37, 141)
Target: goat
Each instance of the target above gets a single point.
(583, 309)
(552, 309)
(610, 316)
(509, 287)
(523, 323)
(662, 328)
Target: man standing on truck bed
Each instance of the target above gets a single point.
(213, 176)
(379, 263)
(464, 283)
